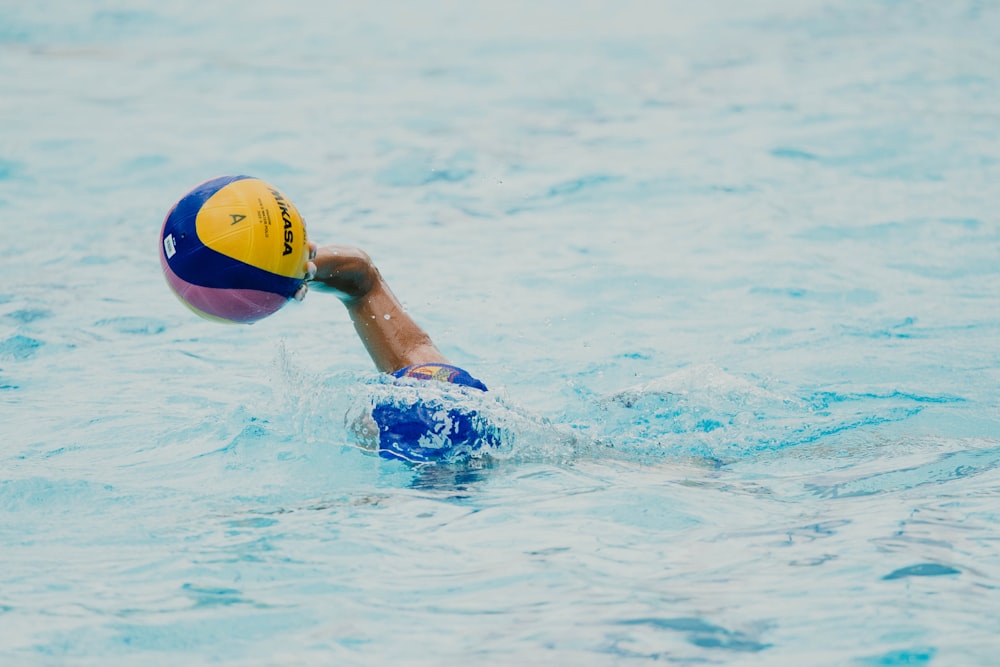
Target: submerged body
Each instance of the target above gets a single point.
(422, 431)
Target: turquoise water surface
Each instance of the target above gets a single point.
(730, 270)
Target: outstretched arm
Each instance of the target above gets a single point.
(390, 335)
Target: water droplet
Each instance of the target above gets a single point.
(386, 316)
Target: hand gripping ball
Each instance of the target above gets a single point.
(234, 249)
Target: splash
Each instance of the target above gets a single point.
(699, 412)
(703, 411)
(336, 409)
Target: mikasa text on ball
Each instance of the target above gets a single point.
(234, 249)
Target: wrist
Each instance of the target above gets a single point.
(347, 270)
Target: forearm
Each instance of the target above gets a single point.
(390, 335)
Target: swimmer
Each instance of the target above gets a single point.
(401, 348)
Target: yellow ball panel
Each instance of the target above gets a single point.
(253, 222)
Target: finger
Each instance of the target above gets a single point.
(313, 248)
(310, 270)
(301, 292)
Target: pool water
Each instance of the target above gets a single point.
(729, 269)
